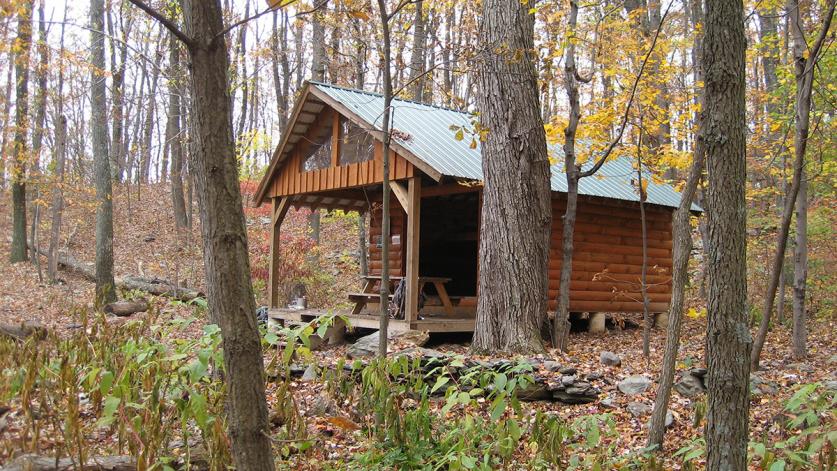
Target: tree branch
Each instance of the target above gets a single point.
(165, 21)
(595, 168)
(815, 49)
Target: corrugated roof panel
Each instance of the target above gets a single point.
(432, 140)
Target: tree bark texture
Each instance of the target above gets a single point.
(105, 286)
(516, 208)
(800, 274)
(226, 258)
(419, 54)
(57, 197)
(173, 135)
(383, 331)
(728, 333)
(318, 57)
(40, 92)
(19, 152)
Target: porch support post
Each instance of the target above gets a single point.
(413, 231)
(280, 209)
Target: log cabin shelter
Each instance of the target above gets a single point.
(330, 157)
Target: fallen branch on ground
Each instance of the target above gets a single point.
(155, 286)
(126, 308)
(23, 331)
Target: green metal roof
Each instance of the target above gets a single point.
(425, 131)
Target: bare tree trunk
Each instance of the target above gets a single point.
(105, 285)
(517, 200)
(226, 262)
(7, 108)
(19, 153)
(241, 56)
(800, 270)
(681, 250)
(150, 115)
(646, 315)
(279, 56)
(419, 53)
(383, 324)
(174, 138)
(40, 92)
(318, 70)
(60, 158)
(805, 60)
(318, 58)
(57, 196)
(572, 78)
(38, 129)
(117, 144)
(728, 333)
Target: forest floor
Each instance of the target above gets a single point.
(146, 243)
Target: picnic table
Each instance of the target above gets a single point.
(369, 295)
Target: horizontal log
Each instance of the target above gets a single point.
(620, 249)
(609, 278)
(615, 258)
(614, 240)
(579, 285)
(155, 286)
(126, 308)
(619, 268)
(608, 306)
(32, 462)
(23, 330)
(611, 296)
(614, 223)
(651, 212)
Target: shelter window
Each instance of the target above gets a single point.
(356, 144)
(318, 154)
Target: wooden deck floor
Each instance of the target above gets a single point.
(426, 323)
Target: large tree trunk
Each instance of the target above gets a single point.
(226, 258)
(728, 333)
(173, 135)
(105, 286)
(516, 208)
(681, 250)
(19, 153)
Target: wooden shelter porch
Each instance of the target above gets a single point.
(439, 311)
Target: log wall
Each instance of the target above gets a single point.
(398, 226)
(607, 260)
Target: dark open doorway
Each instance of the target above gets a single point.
(449, 243)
